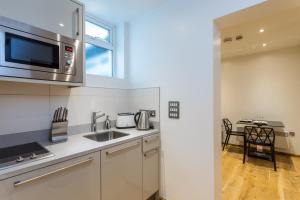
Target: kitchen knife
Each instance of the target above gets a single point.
(66, 115)
(59, 114)
(55, 119)
(62, 114)
(55, 115)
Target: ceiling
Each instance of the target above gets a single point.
(281, 30)
(116, 11)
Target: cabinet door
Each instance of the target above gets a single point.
(76, 179)
(60, 16)
(121, 172)
(151, 146)
(150, 173)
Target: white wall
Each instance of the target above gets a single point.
(172, 48)
(30, 107)
(264, 85)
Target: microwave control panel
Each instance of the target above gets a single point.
(69, 59)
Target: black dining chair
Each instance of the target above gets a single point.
(229, 132)
(263, 136)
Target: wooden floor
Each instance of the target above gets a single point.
(256, 179)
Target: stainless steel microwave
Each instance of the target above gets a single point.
(33, 53)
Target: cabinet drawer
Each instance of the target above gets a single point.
(151, 142)
(75, 179)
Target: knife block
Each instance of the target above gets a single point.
(59, 131)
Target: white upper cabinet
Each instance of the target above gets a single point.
(60, 16)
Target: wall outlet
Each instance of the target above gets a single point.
(152, 113)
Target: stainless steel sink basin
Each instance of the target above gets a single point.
(105, 136)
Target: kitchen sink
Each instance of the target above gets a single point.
(105, 136)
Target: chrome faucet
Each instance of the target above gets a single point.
(94, 120)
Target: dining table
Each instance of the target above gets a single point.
(273, 124)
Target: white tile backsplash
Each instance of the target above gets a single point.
(83, 101)
(20, 113)
(146, 98)
(29, 107)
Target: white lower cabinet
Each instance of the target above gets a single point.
(121, 172)
(151, 149)
(75, 179)
(129, 171)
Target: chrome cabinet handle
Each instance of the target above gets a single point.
(78, 21)
(151, 151)
(19, 183)
(122, 149)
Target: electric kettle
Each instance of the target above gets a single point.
(142, 120)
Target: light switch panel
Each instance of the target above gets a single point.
(174, 109)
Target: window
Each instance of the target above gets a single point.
(99, 48)
(97, 31)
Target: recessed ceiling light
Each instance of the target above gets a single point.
(261, 30)
(264, 44)
(61, 24)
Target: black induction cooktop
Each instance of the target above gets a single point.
(13, 155)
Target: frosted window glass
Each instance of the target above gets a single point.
(97, 31)
(98, 60)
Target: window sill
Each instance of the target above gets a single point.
(105, 81)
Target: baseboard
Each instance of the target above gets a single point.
(289, 154)
(280, 152)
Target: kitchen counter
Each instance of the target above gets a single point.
(75, 146)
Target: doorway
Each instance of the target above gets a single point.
(257, 65)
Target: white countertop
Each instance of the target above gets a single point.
(75, 146)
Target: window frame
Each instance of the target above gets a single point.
(102, 43)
